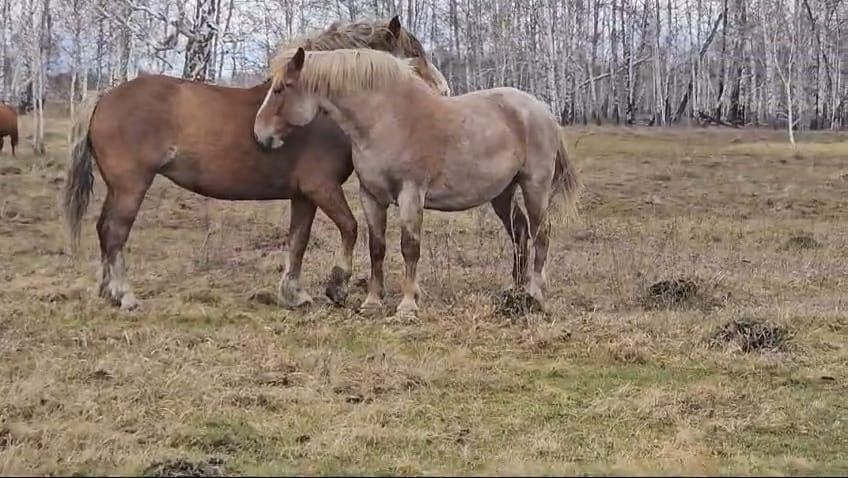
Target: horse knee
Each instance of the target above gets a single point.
(377, 246)
(410, 245)
(349, 229)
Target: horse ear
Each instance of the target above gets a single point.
(296, 64)
(394, 26)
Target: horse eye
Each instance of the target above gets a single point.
(279, 89)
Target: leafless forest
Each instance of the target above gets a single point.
(654, 62)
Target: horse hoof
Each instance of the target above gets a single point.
(407, 306)
(129, 303)
(370, 308)
(538, 302)
(293, 298)
(337, 294)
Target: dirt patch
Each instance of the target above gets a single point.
(10, 171)
(672, 293)
(751, 335)
(180, 467)
(515, 303)
(801, 242)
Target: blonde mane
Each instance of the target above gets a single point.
(373, 35)
(341, 72)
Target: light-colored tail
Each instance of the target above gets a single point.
(566, 183)
(79, 182)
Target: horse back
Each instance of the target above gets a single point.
(201, 137)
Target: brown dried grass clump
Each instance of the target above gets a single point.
(671, 293)
(181, 467)
(751, 335)
(515, 303)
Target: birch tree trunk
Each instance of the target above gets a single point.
(42, 50)
(201, 40)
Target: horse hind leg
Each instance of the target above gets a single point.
(113, 228)
(332, 201)
(515, 223)
(291, 293)
(536, 199)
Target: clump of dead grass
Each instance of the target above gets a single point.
(679, 293)
(182, 467)
(515, 303)
(751, 335)
(801, 242)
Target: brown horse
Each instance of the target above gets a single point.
(200, 137)
(8, 126)
(423, 151)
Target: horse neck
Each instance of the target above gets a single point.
(344, 115)
(358, 111)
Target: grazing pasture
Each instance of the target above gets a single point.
(697, 324)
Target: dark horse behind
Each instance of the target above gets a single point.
(8, 126)
(200, 136)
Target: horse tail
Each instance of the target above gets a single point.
(79, 183)
(566, 182)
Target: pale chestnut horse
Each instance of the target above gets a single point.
(419, 150)
(200, 137)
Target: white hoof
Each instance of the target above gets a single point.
(129, 303)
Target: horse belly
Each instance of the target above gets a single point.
(235, 184)
(468, 180)
(464, 193)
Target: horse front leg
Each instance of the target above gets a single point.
(291, 293)
(375, 214)
(411, 206)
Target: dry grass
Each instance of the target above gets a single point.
(217, 383)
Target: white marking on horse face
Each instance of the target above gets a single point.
(265, 101)
(264, 133)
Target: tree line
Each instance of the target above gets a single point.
(775, 63)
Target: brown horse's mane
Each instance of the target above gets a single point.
(340, 72)
(373, 34)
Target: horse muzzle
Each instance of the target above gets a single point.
(267, 141)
